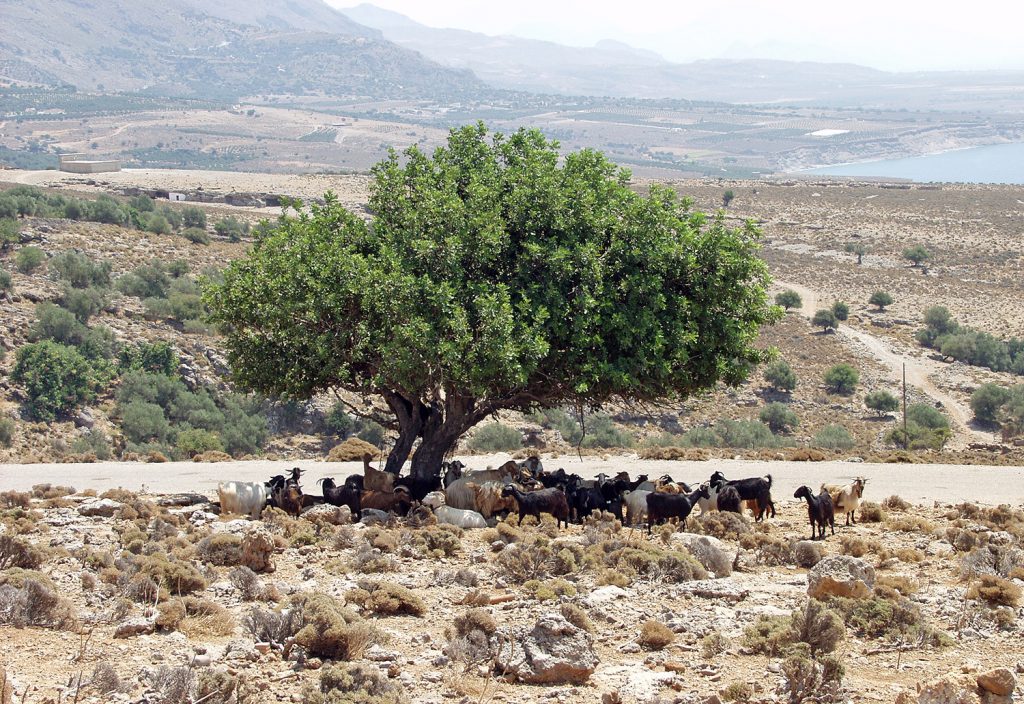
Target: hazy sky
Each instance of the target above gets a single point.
(887, 34)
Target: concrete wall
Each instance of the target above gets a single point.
(90, 167)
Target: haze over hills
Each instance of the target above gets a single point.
(224, 50)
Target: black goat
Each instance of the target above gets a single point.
(348, 494)
(753, 489)
(819, 511)
(661, 506)
(419, 486)
(534, 503)
(729, 499)
(583, 501)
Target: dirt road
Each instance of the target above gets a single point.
(917, 483)
(919, 370)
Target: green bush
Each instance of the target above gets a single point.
(144, 422)
(881, 402)
(833, 437)
(54, 323)
(788, 299)
(746, 434)
(195, 441)
(79, 270)
(917, 254)
(155, 357)
(880, 299)
(231, 227)
(825, 319)
(780, 375)
(84, 302)
(193, 217)
(98, 343)
(28, 259)
(92, 441)
(938, 322)
(142, 203)
(196, 235)
(146, 281)
(558, 419)
(6, 283)
(987, 401)
(842, 379)
(840, 310)
(601, 432)
(178, 268)
(779, 417)
(7, 427)
(927, 429)
(157, 224)
(10, 233)
(57, 379)
(495, 437)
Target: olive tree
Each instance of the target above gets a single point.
(880, 299)
(494, 274)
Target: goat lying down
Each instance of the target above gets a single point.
(463, 518)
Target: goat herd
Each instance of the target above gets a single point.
(469, 498)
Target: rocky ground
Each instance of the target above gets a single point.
(148, 603)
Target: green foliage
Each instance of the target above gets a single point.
(156, 223)
(857, 248)
(987, 401)
(79, 270)
(814, 628)
(93, 442)
(746, 434)
(28, 259)
(833, 437)
(938, 322)
(1011, 415)
(788, 299)
(496, 437)
(780, 375)
(84, 303)
(964, 344)
(10, 233)
(727, 198)
(231, 227)
(144, 422)
(558, 419)
(880, 299)
(56, 378)
(917, 254)
(840, 310)
(601, 431)
(193, 217)
(927, 429)
(881, 402)
(154, 357)
(5, 281)
(512, 275)
(7, 427)
(842, 379)
(196, 235)
(98, 343)
(178, 268)
(779, 417)
(825, 319)
(195, 441)
(142, 203)
(146, 281)
(57, 324)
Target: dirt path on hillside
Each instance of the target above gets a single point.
(919, 370)
(917, 483)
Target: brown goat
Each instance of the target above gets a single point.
(397, 501)
(375, 479)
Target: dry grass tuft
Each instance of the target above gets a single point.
(655, 635)
(995, 590)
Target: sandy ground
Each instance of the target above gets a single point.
(917, 483)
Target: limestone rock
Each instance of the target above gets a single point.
(604, 594)
(841, 575)
(553, 652)
(948, 689)
(326, 513)
(712, 553)
(257, 547)
(105, 508)
(999, 681)
(135, 627)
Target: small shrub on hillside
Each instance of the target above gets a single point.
(94, 442)
(713, 645)
(386, 599)
(780, 375)
(84, 303)
(7, 427)
(6, 282)
(806, 554)
(80, 271)
(496, 437)
(881, 402)
(880, 299)
(655, 635)
(600, 431)
(577, 617)
(231, 227)
(196, 235)
(746, 434)
(917, 254)
(35, 603)
(841, 310)
(177, 577)
(833, 437)
(724, 525)
(15, 552)
(151, 357)
(354, 684)
(145, 281)
(927, 428)
(987, 401)
(842, 379)
(28, 259)
(193, 216)
(329, 630)
(788, 299)
(870, 512)
(815, 625)
(57, 324)
(779, 418)
(768, 549)
(995, 590)
(57, 379)
(896, 503)
(825, 319)
(805, 680)
(195, 441)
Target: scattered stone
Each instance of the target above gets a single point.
(948, 689)
(105, 508)
(84, 419)
(257, 547)
(554, 651)
(326, 513)
(202, 661)
(715, 556)
(135, 627)
(841, 575)
(184, 499)
(605, 594)
(999, 681)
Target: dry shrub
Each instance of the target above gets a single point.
(852, 545)
(221, 549)
(19, 553)
(768, 635)
(432, 541)
(346, 537)
(104, 678)
(737, 692)
(354, 684)
(329, 630)
(48, 491)
(818, 626)
(177, 577)
(724, 525)
(995, 590)
(806, 554)
(368, 560)
(895, 618)
(655, 635)
(173, 685)
(806, 680)
(16, 577)
(170, 614)
(712, 557)
(713, 644)
(548, 590)
(768, 549)
(120, 495)
(143, 590)
(205, 618)
(6, 688)
(386, 599)
(577, 617)
(88, 580)
(805, 454)
(471, 642)
(352, 450)
(212, 456)
(15, 499)
(251, 586)
(614, 578)
(675, 453)
(35, 604)
(272, 626)
(909, 555)
(382, 539)
(895, 503)
(870, 512)
(910, 524)
(222, 687)
(891, 586)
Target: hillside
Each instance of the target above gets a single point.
(182, 47)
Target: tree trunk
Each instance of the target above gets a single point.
(441, 431)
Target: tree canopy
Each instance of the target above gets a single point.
(495, 274)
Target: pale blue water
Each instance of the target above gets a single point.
(998, 163)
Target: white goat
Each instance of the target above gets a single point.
(242, 498)
(636, 505)
(846, 497)
(463, 518)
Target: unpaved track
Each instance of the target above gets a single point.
(916, 483)
(919, 370)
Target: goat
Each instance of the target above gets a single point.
(286, 494)
(242, 498)
(397, 501)
(662, 506)
(419, 486)
(729, 499)
(489, 499)
(376, 479)
(846, 498)
(551, 501)
(532, 465)
(505, 473)
(756, 488)
(452, 471)
(819, 511)
(636, 505)
(460, 493)
(348, 494)
(584, 500)
(452, 516)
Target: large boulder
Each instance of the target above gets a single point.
(104, 508)
(841, 575)
(716, 557)
(257, 547)
(326, 513)
(142, 625)
(999, 681)
(552, 652)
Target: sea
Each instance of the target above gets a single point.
(997, 163)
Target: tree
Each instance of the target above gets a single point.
(780, 375)
(841, 310)
(938, 322)
(28, 259)
(917, 254)
(842, 379)
(727, 198)
(880, 299)
(987, 401)
(825, 319)
(788, 299)
(191, 216)
(857, 248)
(779, 417)
(881, 402)
(482, 285)
(57, 379)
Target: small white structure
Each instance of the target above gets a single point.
(82, 164)
(176, 197)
